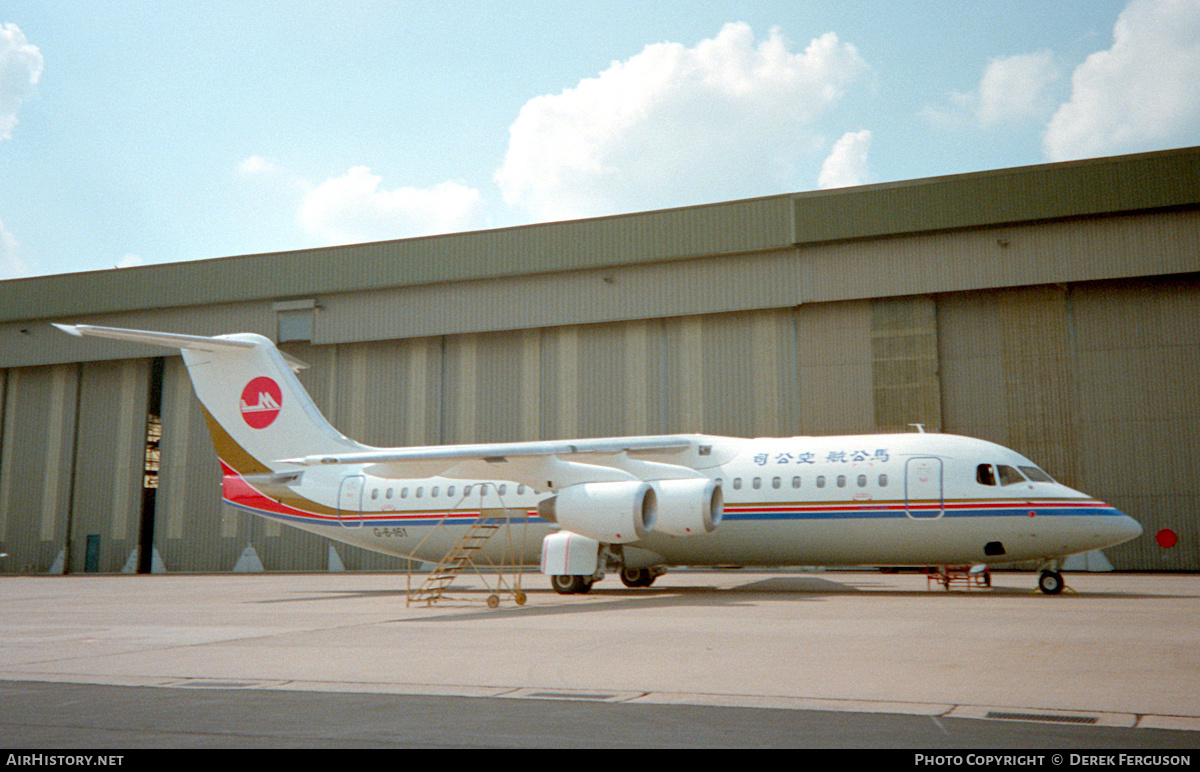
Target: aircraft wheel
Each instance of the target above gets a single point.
(1050, 582)
(570, 584)
(493, 601)
(637, 577)
(519, 597)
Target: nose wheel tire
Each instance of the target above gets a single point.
(1050, 582)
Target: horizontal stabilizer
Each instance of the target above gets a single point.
(168, 339)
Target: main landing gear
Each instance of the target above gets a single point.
(571, 584)
(574, 584)
(638, 577)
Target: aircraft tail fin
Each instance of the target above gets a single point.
(257, 410)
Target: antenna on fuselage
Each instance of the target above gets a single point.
(920, 428)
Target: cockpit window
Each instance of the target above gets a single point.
(1008, 475)
(1037, 475)
(985, 474)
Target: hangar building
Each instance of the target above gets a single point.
(1054, 309)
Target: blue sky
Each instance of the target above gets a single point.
(148, 132)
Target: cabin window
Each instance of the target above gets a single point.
(841, 481)
(521, 489)
(450, 491)
(374, 493)
(985, 475)
(404, 492)
(757, 483)
(776, 483)
(503, 488)
(820, 481)
(466, 490)
(433, 491)
(1009, 476)
(389, 493)
(795, 482)
(737, 483)
(420, 491)
(862, 481)
(1035, 474)
(883, 481)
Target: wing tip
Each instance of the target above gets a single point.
(70, 329)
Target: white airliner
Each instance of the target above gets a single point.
(633, 504)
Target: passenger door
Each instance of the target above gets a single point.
(923, 494)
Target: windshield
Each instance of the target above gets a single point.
(1008, 475)
(1037, 475)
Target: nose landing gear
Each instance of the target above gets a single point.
(1051, 582)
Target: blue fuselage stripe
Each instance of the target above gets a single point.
(743, 513)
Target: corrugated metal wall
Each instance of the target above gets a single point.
(1094, 381)
(905, 368)
(1137, 354)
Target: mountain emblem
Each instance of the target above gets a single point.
(261, 401)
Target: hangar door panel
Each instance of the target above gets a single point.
(109, 464)
(35, 466)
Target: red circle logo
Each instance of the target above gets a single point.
(1166, 538)
(261, 400)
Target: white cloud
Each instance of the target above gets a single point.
(256, 165)
(1142, 93)
(352, 209)
(960, 112)
(1017, 88)
(847, 163)
(1012, 89)
(11, 266)
(675, 125)
(20, 69)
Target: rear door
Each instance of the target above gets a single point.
(350, 498)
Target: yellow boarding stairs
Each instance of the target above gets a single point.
(466, 555)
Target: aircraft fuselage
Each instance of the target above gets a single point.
(892, 499)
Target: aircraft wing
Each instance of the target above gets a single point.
(543, 465)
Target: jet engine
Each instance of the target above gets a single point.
(691, 507)
(611, 512)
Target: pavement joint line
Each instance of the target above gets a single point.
(760, 702)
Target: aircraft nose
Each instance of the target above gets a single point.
(1125, 527)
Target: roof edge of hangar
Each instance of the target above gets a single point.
(1091, 187)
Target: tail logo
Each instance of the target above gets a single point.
(261, 400)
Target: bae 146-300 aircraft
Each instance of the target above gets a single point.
(634, 505)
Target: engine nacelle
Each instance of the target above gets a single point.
(691, 507)
(610, 512)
